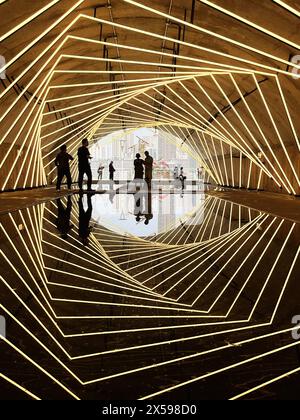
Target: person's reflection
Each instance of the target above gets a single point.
(63, 218)
(138, 206)
(143, 207)
(149, 214)
(84, 220)
(112, 192)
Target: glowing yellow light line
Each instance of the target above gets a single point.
(67, 286)
(273, 268)
(280, 139)
(286, 375)
(127, 305)
(209, 157)
(113, 98)
(125, 82)
(198, 47)
(134, 89)
(245, 125)
(288, 7)
(94, 93)
(141, 63)
(148, 51)
(33, 140)
(28, 20)
(261, 132)
(108, 265)
(192, 108)
(144, 367)
(238, 146)
(285, 284)
(108, 268)
(226, 369)
(177, 252)
(287, 111)
(49, 29)
(213, 34)
(20, 387)
(253, 249)
(239, 234)
(220, 244)
(37, 59)
(45, 348)
(249, 23)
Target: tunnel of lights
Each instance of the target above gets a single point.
(197, 306)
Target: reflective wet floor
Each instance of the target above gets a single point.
(159, 296)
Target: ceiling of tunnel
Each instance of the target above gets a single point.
(218, 74)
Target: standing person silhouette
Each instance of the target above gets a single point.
(84, 220)
(199, 173)
(63, 167)
(182, 178)
(138, 167)
(84, 166)
(148, 169)
(111, 171)
(100, 172)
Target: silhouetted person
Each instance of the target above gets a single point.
(100, 172)
(63, 218)
(111, 171)
(148, 168)
(84, 220)
(199, 172)
(182, 178)
(84, 166)
(62, 162)
(138, 167)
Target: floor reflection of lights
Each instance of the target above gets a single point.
(185, 312)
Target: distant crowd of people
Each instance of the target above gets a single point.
(143, 168)
(180, 176)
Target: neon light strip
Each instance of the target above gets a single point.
(198, 47)
(249, 23)
(28, 20)
(288, 7)
(213, 34)
(20, 387)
